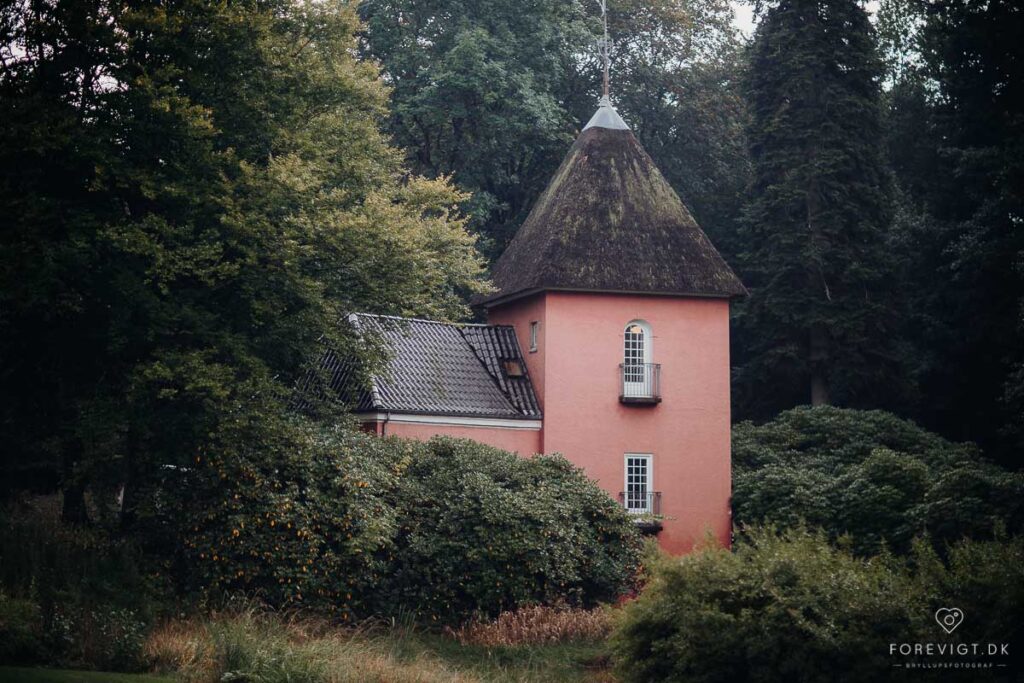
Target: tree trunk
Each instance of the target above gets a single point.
(129, 487)
(819, 365)
(819, 352)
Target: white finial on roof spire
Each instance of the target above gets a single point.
(606, 117)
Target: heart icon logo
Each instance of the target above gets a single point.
(949, 618)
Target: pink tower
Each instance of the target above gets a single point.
(620, 304)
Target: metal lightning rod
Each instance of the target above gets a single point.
(604, 44)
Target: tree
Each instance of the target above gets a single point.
(494, 92)
(677, 76)
(819, 320)
(954, 129)
(971, 55)
(478, 91)
(194, 195)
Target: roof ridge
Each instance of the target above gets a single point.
(424, 320)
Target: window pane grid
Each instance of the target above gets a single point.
(638, 483)
(634, 354)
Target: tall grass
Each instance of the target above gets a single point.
(537, 625)
(253, 646)
(249, 644)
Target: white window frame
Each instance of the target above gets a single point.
(648, 494)
(534, 325)
(638, 382)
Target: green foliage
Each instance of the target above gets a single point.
(483, 531)
(104, 637)
(44, 558)
(355, 526)
(477, 92)
(77, 596)
(304, 518)
(494, 92)
(794, 607)
(818, 326)
(871, 475)
(677, 75)
(21, 630)
(956, 126)
(296, 514)
(193, 200)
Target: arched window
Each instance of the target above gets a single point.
(636, 351)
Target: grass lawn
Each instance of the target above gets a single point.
(9, 674)
(565, 663)
(562, 663)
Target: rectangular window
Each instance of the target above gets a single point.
(639, 493)
(513, 368)
(533, 335)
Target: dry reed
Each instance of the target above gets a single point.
(537, 626)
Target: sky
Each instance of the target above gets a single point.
(743, 17)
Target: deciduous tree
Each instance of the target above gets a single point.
(193, 195)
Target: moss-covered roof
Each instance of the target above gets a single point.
(609, 221)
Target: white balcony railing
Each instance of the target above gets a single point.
(640, 383)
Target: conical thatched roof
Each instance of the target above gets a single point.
(610, 222)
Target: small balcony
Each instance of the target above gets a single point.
(645, 506)
(640, 383)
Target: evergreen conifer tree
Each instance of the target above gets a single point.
(818, 324)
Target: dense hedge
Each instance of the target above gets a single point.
(302, 517)
(794, 607)
(871, 475)
(357, 525)
(483, 530)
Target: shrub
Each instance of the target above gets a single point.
(483, 531)
(983, 578)
(303, 517)
(58, 564)
(794, 607)
(871, 475)
(21, 631)
(70, 595)
(103, 637)
(356, 525)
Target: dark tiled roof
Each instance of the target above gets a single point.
(609, 221)
(440, 369)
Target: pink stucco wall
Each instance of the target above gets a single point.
(520, 313)
(525, 442)
(576, 373)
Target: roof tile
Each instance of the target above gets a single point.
(440, 369)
